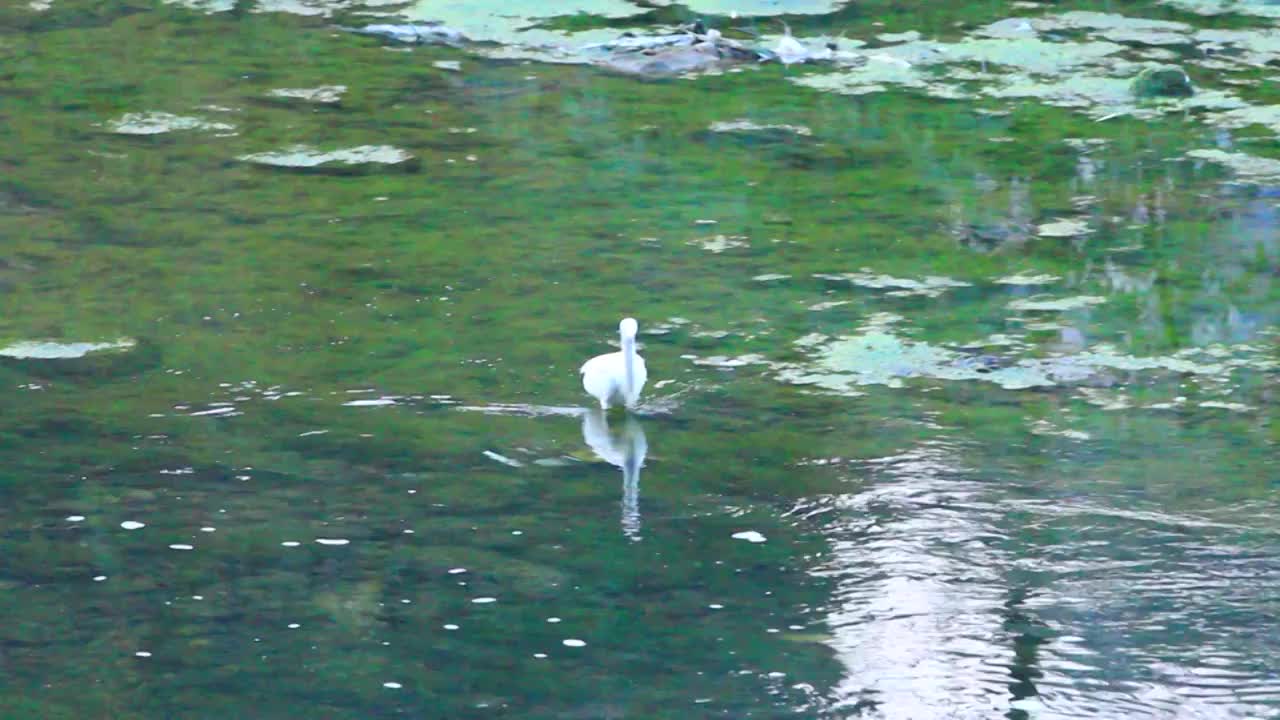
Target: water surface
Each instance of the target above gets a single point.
(959, 408)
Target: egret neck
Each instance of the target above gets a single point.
(629, 362)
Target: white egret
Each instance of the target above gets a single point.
(617, 377)
(625, 449)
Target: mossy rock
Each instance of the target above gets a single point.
(1162, 81)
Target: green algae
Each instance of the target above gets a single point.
(1261, 8)
(1246, 167)
(929, 286)
(881, 358)
(1060, 304)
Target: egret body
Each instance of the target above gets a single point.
(617, 378)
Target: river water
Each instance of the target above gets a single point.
(962, 366)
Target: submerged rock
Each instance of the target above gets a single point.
(490, 571)
(414, 33)
(322, 95)
(790, 51)
(55, 358)
(631, 42)
(365, 158)
(159, 123)
(1162, 81)
(667, 61)
(991, 236)
(742, 125)
(696, 48)
(693, 49)
(54, 350)
(682, 50)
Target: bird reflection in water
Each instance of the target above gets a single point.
(624, 448)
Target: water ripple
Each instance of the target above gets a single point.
(952, 601)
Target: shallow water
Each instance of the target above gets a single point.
(957, 408)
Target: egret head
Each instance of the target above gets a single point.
(628, 328)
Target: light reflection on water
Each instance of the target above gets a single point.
(625, 448)
(955, 601)
(917, 610)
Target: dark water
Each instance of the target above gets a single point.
(344, 467)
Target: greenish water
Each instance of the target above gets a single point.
(350, 414)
